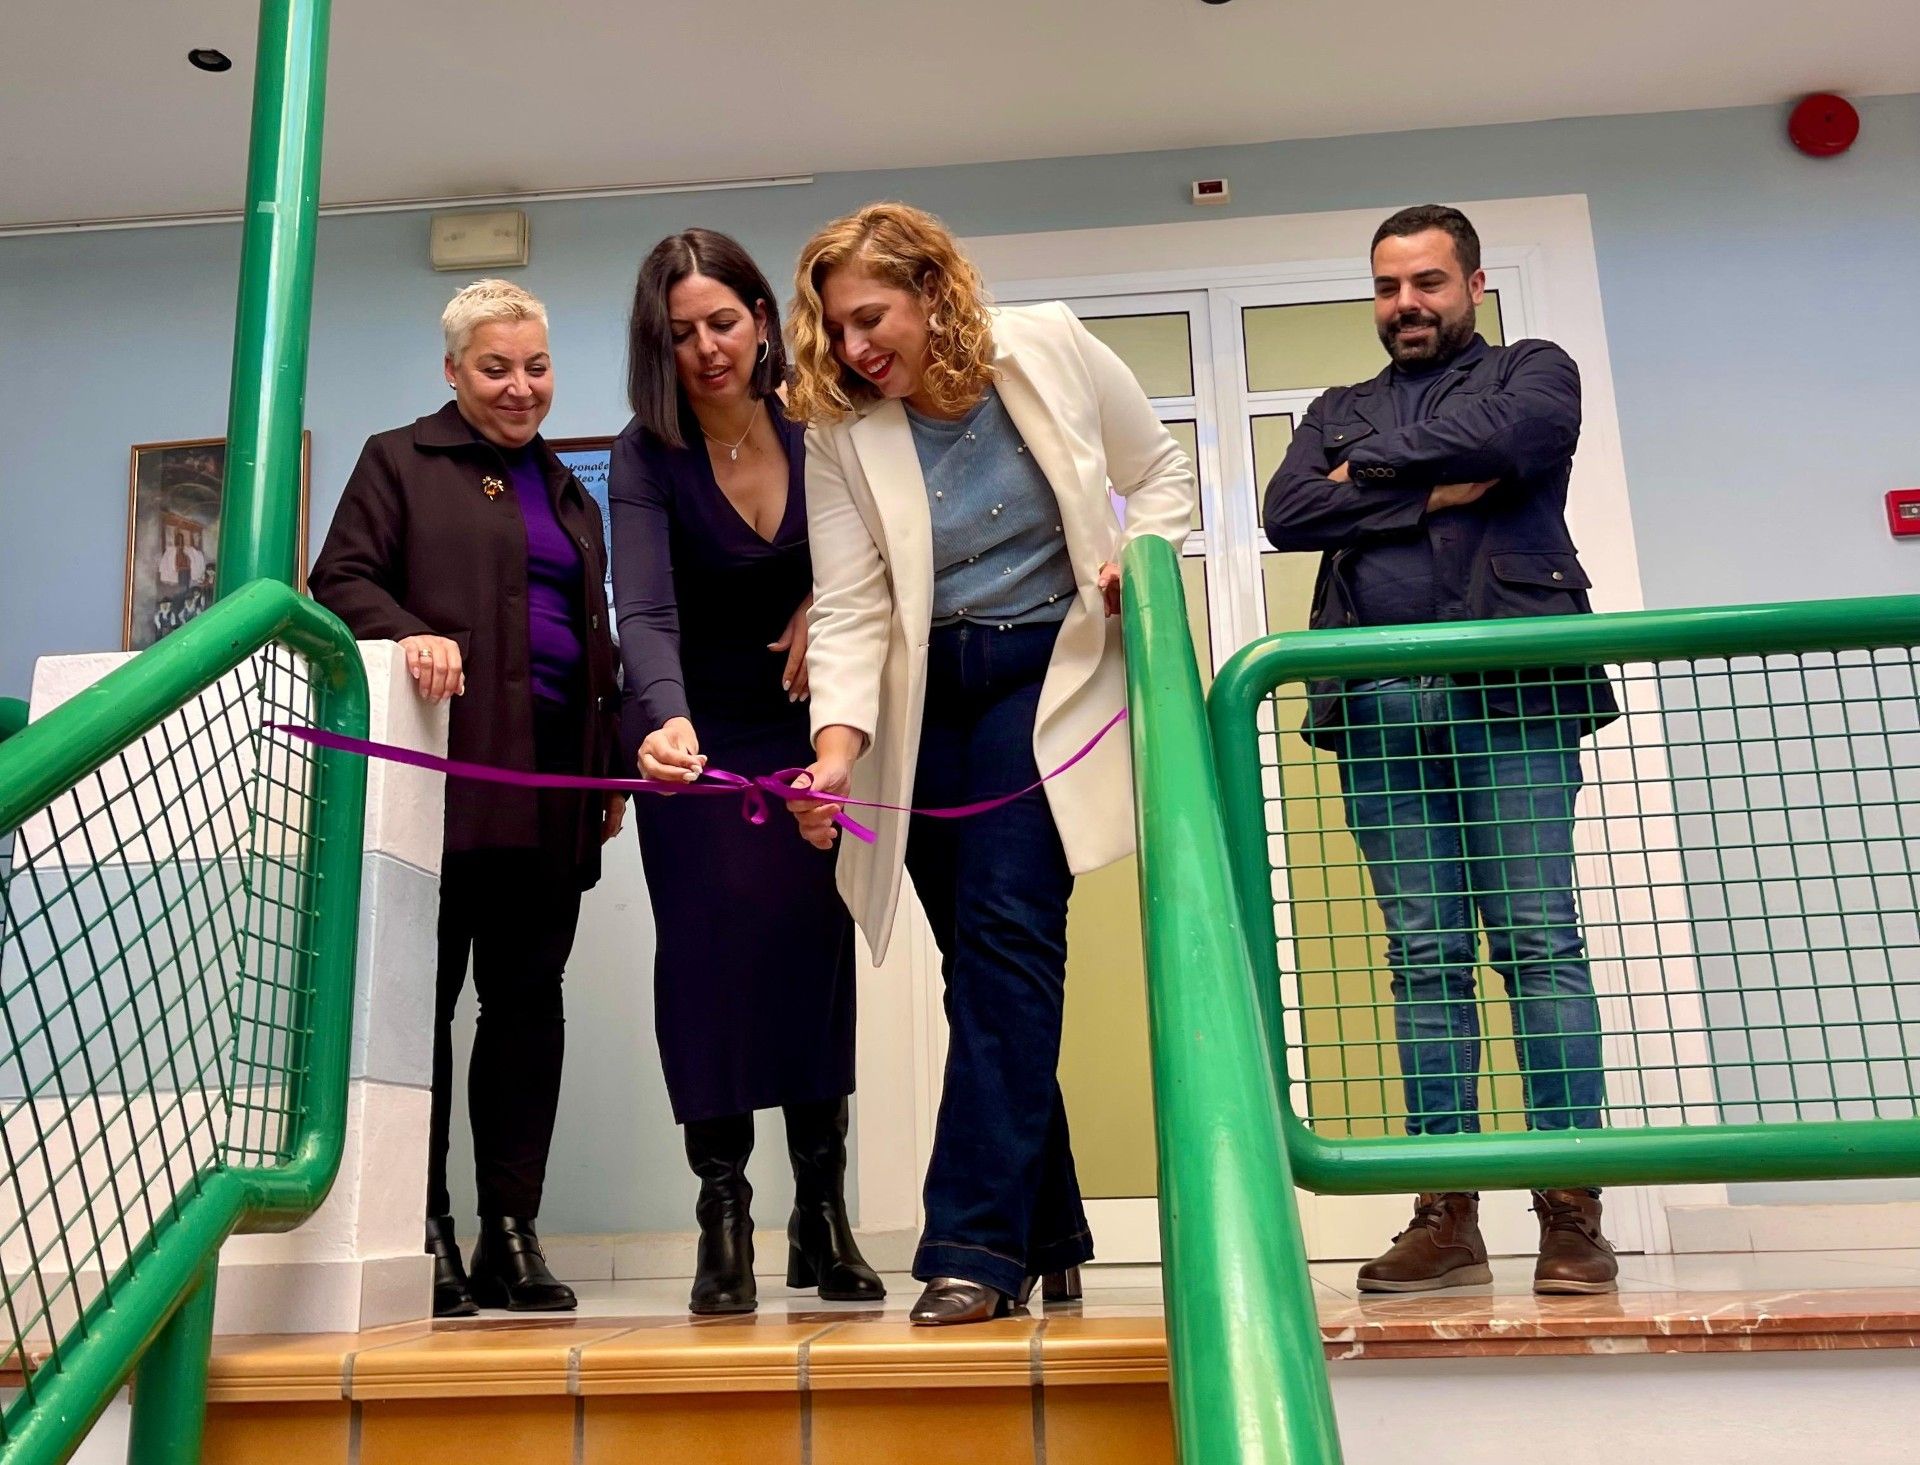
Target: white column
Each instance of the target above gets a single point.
(358, 1261)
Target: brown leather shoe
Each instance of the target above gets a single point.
(1441, 1248)
(1574, 1256)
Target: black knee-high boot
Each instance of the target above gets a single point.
(717, 1149)
(821, 1251)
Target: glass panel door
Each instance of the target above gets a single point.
(1315, 344)
(1105, 1067)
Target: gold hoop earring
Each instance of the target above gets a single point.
(936, 325)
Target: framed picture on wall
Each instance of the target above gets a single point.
(589, 458)
(173, 533)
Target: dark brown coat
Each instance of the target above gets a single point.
(418, 547)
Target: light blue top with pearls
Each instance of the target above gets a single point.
(999, 556)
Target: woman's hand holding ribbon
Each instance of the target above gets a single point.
(831, 772)
(671, 753)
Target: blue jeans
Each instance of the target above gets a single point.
(1002, 1200)
(1457, 812)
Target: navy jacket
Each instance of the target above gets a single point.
(1510, 413)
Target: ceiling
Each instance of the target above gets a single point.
(100, 115)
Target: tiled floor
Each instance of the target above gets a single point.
(1131, 1290)
(637, 1337)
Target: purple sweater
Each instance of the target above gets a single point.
(553, 587)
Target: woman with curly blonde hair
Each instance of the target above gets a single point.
(963, 638)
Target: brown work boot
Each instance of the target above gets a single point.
(1574, 1256)
(1441, 1248)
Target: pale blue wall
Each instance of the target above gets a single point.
(1759, 308)
(1757, 305)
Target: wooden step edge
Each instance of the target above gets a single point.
(635, 1357)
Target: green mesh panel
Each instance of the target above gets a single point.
(1743, 878)
(151, 963)
(177, 934)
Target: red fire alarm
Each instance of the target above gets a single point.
(1823, 125)
(1903, 511)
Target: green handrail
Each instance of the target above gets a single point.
(1805, 1149)
(157, 1303)
(13, 716)
(1249, 1378)
(260, 503)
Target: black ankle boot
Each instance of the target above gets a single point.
(1054, 1287)
(821, 1251)
(1062, 1286)
(717, 1149)
(510, 1270)
(451, 1297)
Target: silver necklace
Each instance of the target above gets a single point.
(733, 448)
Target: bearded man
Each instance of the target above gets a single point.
(1437, 492)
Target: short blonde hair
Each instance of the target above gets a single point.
(482, 303)
(909, 249)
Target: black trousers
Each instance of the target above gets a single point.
(513, 912)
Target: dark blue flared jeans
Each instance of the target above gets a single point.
(1002, 1200)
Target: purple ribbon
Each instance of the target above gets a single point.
(753, 793)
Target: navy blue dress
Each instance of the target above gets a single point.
(753, 972)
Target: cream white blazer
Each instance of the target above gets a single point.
(1088, 424)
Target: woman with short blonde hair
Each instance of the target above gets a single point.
(462, 537)
(964, 637)
(486, 302)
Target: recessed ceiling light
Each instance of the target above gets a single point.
(208, 59)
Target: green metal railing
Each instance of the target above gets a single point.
(1741, 882)
(1249, 1382)
(1731, 868)
(13, 716)
(260, 504)
(177, 936)
(178, 995)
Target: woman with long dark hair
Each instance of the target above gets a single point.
(753, 973)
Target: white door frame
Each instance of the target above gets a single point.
(1545, 245)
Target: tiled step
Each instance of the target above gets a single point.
(631, 1377)
(1628, 1322)
(1070, 1385)
(831, 1388)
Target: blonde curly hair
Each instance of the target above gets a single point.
(912, 250)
